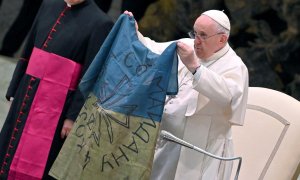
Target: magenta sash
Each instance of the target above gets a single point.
(57, 75)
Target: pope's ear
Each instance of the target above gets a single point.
(223, 38)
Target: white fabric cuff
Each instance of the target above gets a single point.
(198, 73)
(197, 76)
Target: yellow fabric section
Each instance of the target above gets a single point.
(107, 145)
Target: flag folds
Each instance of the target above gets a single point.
(125, 88)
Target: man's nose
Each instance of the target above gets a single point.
(197, 41)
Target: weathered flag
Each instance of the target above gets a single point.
(125, 87)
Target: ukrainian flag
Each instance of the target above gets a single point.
(115, 134)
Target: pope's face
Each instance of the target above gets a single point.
(74, 2)
(207, 40)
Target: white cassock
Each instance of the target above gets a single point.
(202, 113)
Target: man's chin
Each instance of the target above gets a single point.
(200, 56)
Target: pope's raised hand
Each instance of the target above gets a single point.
(131, 15)
(187, 56)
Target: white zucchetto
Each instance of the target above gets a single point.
(218, 16)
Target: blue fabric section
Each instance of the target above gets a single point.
(127, 77)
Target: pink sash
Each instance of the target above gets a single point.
(57, 75)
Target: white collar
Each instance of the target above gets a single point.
(213, 58)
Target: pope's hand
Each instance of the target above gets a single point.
(131, 15)
(187, 56)
(68, 124)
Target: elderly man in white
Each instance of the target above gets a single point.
(213, 89)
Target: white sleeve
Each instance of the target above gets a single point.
(156, 47)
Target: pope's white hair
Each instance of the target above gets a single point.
(221, 29)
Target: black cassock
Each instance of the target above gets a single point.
(75, 33)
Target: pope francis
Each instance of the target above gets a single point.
(213, 89)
